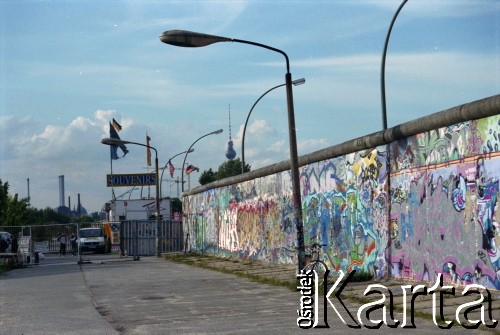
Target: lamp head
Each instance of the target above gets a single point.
(217, 131)
(300, 81)
(113, 141)
(190, 39)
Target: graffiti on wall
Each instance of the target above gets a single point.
(439, 216)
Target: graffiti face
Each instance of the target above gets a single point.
(458, 195)
(394, 228)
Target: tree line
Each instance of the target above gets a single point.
(227, 169)
(15, 211)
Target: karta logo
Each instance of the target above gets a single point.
(308, 316)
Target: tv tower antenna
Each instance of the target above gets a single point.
(230, 153)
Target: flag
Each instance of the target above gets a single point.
(171, 169)
(191, 168)
(114, 148)
(116, 125)
(148, 151)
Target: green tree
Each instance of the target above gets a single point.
(207, 177)
(4, 194)
(13, 211)
(227, 169)
(176, 205)
(231, 168)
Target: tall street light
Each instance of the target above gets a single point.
(170, 161)
(382, 70)
(117, 142)
(295, 83)
(384, 126)
(185, 38)
(189, 150)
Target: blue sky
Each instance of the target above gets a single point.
(69, 67)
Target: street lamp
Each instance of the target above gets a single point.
(117, 142)
(295, 83)
(189, 150)
(185, 38)
(384, 126)
(170, 161)
(382, 71)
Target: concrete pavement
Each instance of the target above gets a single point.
(49, 298)
(156, 296)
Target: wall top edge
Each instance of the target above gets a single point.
(470, 111)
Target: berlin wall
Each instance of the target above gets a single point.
(440, 215)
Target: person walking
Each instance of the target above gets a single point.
(74, 244)
(63, 239)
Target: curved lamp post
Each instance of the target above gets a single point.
(384, 125)
(183, 38)
(170, 161)
(117, 142)
(382, 71)
(295, 83)
(189, 150)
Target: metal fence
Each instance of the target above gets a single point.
(131, 237)
(139, 237)
(44, 237)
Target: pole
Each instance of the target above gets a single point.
(158, 234)
(295, 82)
(183, 38)
(245, 127)
(178, 181)
(28, 182)
(294, 169)
(136, 242)
(382, 71)
(294, 160)
(384, 125)
(164, 168)
(112, 184)
(80, 260)
(189, 150)
(111, 141)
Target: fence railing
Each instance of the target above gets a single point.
(133, 237)
(44, 237)
(139, 236)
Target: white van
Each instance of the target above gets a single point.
(91, 239)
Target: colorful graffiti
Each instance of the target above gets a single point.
(440, 215)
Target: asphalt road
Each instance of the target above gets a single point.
(109, 295)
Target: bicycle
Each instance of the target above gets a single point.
(314, 263)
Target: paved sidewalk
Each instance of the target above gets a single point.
(109, 295)
(50, 298)
(353, 295)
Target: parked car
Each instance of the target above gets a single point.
(7, 238)
(91, 239)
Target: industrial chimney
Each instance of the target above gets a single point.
(61, 191)
(79, 208)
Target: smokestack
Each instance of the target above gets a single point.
(29, 199)
(61, 191)
(79, 206)
(69, 203)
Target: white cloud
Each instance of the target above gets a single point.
(73, 150)
(212, 15)
(311, 145)
(118, 68)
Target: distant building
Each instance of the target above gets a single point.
(63, 210)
